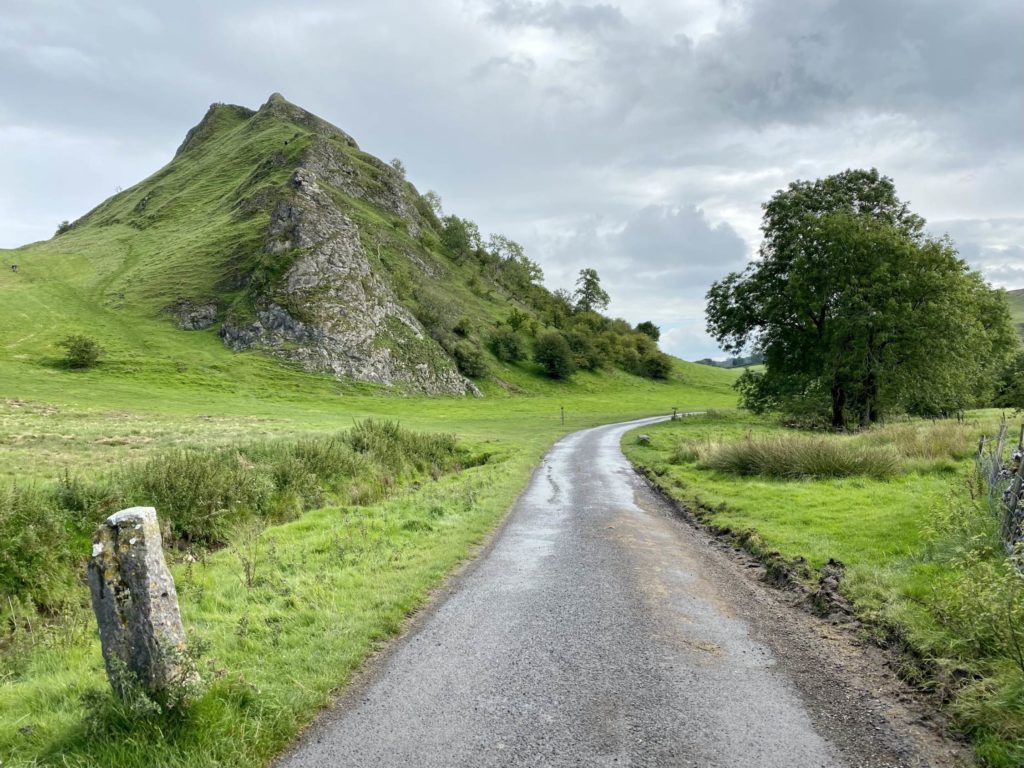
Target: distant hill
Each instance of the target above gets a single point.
(271, 231)
(733, 362)
(1016, 300)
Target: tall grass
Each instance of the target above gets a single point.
(926, 440)
(800, 457)
(203, 494)
(879, 453)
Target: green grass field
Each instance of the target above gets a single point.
(331, 585)
(923, 566)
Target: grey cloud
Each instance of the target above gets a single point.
(993, 246)
(575, 17)
(597, 134)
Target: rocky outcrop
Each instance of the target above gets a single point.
(191, 316)
(383, 186)
(330, 312)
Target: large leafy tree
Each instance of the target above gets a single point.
(856, 311)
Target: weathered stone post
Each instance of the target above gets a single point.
(136, 604)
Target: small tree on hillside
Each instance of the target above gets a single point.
(589, 295)
(434, 201)
(507, 345)
(80, 351)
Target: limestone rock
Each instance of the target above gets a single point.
(190, 316)
(331, 312)
(135, 602)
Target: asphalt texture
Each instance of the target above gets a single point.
(600, 630)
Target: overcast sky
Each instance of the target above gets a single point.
(638, 138)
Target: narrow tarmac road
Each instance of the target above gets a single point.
(600, 630)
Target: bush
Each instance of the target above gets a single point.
(37, 552)
(553, 353)
(800, 457)
(585, 353)
(80, 351)
(201, 494)
(436, 312)
(656, 365)
(507, 346)
(470, 359)
(403, 450)
(64, 226)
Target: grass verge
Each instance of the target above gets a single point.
(285, 616)
(921, 562)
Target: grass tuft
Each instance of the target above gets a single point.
(797, 457)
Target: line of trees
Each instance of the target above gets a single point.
(562, 331)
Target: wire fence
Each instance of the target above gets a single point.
(1002, 468)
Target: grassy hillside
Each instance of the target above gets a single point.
(1016, 301)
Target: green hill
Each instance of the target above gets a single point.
(1016, 301)
(307, 270)
(271, 231)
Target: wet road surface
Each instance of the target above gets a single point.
(597, 631)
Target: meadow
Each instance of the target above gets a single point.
(898, 511)
(285, 608)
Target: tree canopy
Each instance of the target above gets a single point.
(856, 311)
(589, 295)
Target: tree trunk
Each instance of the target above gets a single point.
(838, 406)
(869, 411)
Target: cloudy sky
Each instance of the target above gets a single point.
(635, 137)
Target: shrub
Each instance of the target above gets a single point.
(64, 226)
(656, 365)
(80, 351)
(516, 319)
(800, 457)
(402, 450)
(436, 312)
(585, 352)
(470, 359)
(507, 345)
(553, 353)
(37, 554)
(201, 494)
